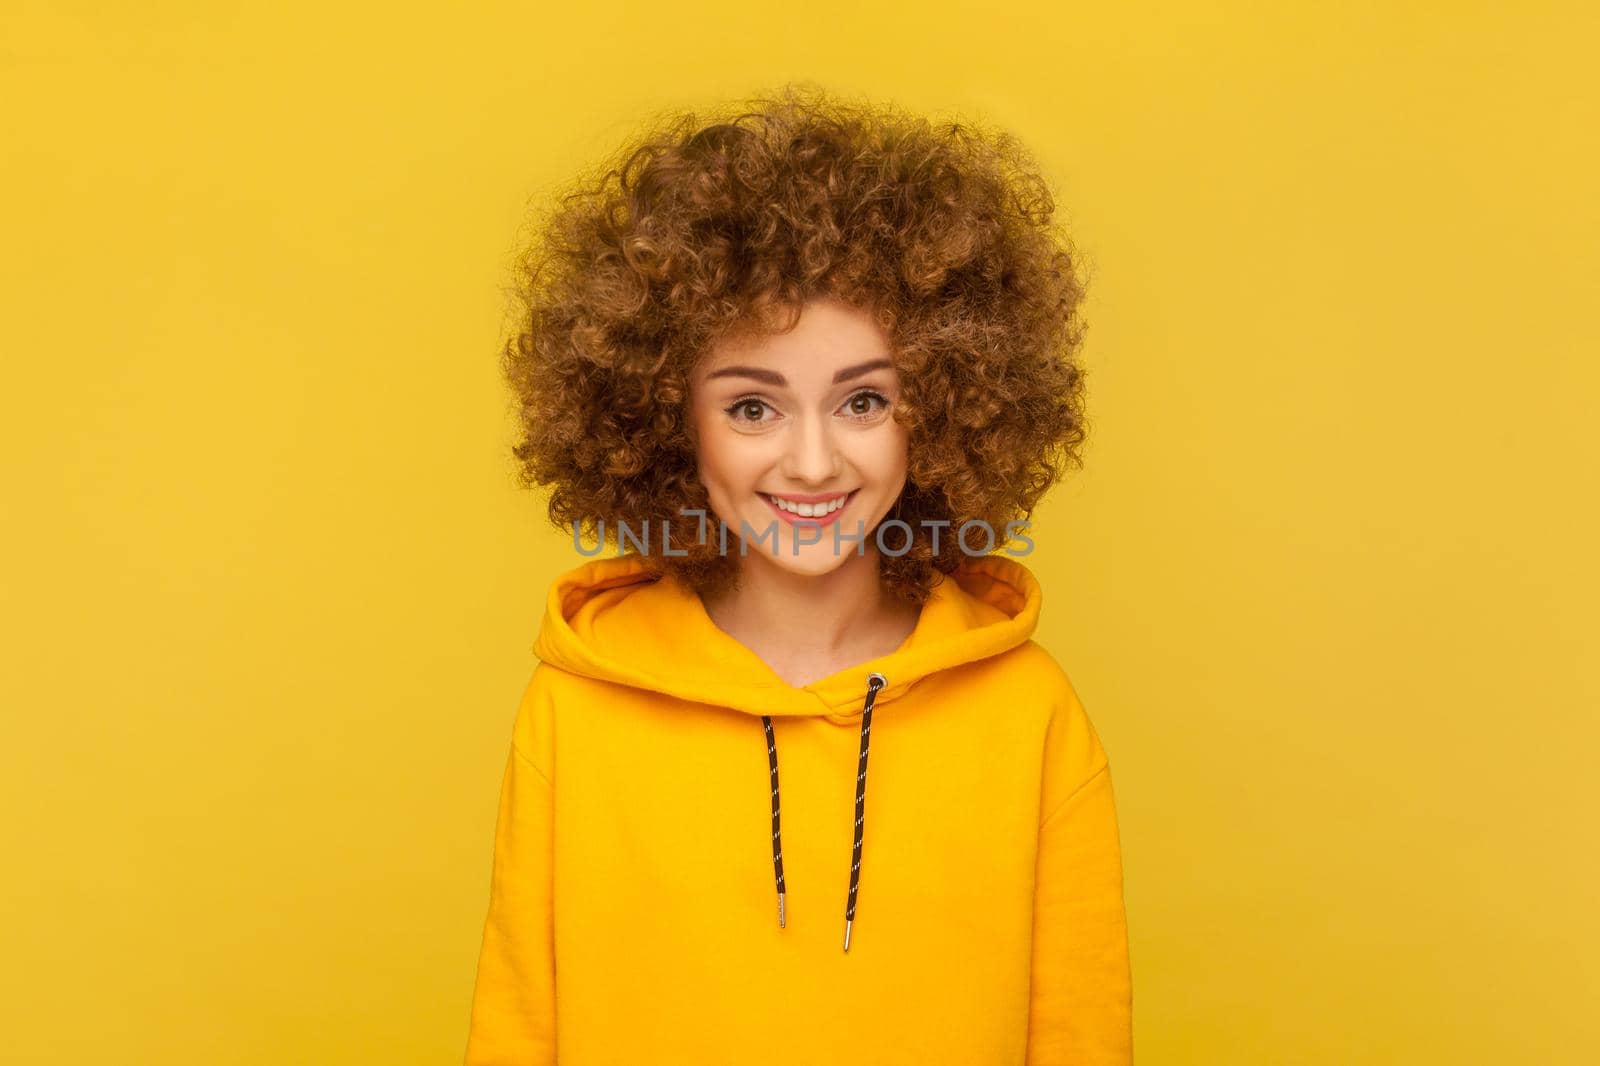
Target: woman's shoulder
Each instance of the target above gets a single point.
(1073, 749)
(532, 732)
(1042, 673)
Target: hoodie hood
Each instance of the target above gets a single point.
(622, 621)
(619, 620)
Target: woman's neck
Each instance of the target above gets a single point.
(807, 627)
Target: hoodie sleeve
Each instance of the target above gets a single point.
(513, 999)
(1081, 999)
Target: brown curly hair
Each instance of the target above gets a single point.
(701, 227)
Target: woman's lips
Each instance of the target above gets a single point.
(819, 520)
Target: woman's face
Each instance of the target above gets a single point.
(800, 421)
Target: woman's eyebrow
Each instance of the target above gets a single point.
(772, 377)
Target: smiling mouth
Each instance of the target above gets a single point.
(821, 509)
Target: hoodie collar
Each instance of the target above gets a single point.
(619, 619)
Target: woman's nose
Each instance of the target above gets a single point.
(813, 453)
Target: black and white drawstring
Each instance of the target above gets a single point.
(875, 681)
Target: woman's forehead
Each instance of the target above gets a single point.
(829, 342)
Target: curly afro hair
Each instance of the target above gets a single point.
(701, 227)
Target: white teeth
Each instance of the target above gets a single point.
(809, 510)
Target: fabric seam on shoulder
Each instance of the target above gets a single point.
(525, 758)
(1085, 783)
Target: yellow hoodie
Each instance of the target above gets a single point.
(648, 907)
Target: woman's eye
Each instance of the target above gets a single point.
(861, 403)
(748, 407)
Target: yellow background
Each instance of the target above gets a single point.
(1327, 586)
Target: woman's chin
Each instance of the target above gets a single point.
(812, 560)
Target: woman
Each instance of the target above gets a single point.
(818, 357)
